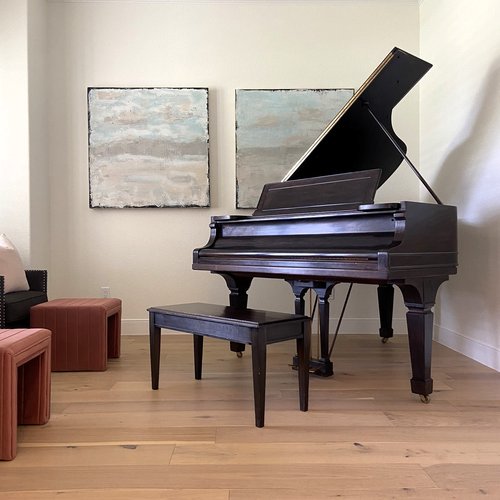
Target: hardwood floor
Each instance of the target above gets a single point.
(365, 435)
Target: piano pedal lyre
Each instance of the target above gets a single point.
(321, 367)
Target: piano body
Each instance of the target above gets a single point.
(319, 226)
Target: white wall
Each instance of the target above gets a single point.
(144, 255)
(460, 153)
(14, 125)
(38, 136)
(24, 199)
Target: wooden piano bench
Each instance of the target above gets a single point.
(244, 326)
(24, 383)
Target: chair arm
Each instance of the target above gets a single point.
(37, 280)
(2, 302)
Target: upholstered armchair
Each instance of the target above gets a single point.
(15, 306)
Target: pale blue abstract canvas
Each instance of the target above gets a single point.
(148, 147)
(274, 128)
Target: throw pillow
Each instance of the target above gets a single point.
(11, 267)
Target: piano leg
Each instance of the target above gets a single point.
(322, 366)
(323, 292)
(385, 307)
(238, 298)
(419, 296)
(299, 291)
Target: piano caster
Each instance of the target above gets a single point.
(237, 348)
(425, 398)
(385, 340)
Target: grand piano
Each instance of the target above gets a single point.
(320, 225)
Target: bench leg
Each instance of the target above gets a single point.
(33, 390)
(198, 355)
(114, 327)
(259, 376)
(8, 408)
(154, 349)
(303, 354)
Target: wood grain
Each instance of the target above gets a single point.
(365, 435)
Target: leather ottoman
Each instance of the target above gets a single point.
(24, 383)
(85, 332)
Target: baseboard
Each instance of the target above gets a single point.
(135, 327)
(349, 325)
(482, 353)
(362, 326)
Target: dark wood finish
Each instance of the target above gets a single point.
(237, 298)
(238, 325)
(154, 350)
(332, 192)
(385, 295)
(332, 240)
(419, 296)
(323, 365)
(354, 141)
(198, 355)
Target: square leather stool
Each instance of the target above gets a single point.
(24, 383)
(85, 332)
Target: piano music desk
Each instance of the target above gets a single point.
(244, 326)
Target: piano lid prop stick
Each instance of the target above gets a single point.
(402, 153)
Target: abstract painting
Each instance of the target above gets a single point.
(148, 147)
(274, 128)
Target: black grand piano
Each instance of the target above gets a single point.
(320, 225)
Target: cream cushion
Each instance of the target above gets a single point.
(11, 267)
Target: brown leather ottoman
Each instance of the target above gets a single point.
(24, 383)
(85, 332)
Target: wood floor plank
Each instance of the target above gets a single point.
(339, 477)
(29, 435)
(119, 494)
(214, 417)
(481, 477)
(331, 434)
(366, 453)
(355, 494)
(438, 419)
(103, 454)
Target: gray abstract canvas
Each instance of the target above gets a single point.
(274, 128)
(148, 147)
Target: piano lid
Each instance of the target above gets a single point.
(353, 140)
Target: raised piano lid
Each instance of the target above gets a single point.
(353, 141)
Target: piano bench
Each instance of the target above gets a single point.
(245, 326)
